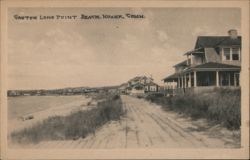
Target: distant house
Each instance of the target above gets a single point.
(141, 85)
(137, 89)
(122, 88)
(12, 93)
(113, 90)
(214, 62)
(151, 87)
(38, 92)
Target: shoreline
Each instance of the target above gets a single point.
(15, 124)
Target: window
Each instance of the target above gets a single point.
(235, 54)
(231, 54)
(237, 79)
(152, 88)
(226, 53)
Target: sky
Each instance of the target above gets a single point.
(47, 54)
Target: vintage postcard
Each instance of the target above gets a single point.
(123, 79)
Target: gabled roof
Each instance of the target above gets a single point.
(195, 51)
(137, 85)
(128, 88)
(135, 78)
(171, 77)
(214, 41)
(144, 77)
(183, 63)
(216, 65)
(151, 84)
(138, 78)
(123, 84)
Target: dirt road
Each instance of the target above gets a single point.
(146, 125)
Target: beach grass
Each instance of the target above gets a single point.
(74, 126)
(222, 106)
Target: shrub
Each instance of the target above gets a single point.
(225, 108)
(222, 106)
(154, 96)
(73, 126)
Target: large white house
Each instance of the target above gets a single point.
(214, 62)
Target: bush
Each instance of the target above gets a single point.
(154, 96)
(73, 126)
(221, 106)
(225, 108)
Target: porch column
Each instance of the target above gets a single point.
(191, 59)
(195, 81)
(217, 79)
(185, 81)
(182, 82)
(178, 84)
(173, 84)
(189, 80)
(234, 80)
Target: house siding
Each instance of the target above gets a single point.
(236, 63)
(211, 55)
(196, 60)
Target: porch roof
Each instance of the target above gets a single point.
(171, 78)
(210, 66)
(182, 63)
(214, 66)
(195, 51)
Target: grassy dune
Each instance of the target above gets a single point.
(74, 126)
(222, 106)
(19, 106)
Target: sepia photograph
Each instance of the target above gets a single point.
(124, 78)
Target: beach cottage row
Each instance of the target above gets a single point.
(139, 85)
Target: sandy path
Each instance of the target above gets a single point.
(146, 125)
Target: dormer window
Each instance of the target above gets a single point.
(231, 54)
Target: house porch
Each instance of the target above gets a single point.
(202, 79)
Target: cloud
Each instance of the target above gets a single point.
(56, 47)
(204, 31)
(60, 54)
(162, 35)
(130, 42)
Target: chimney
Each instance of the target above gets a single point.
(232, 33)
